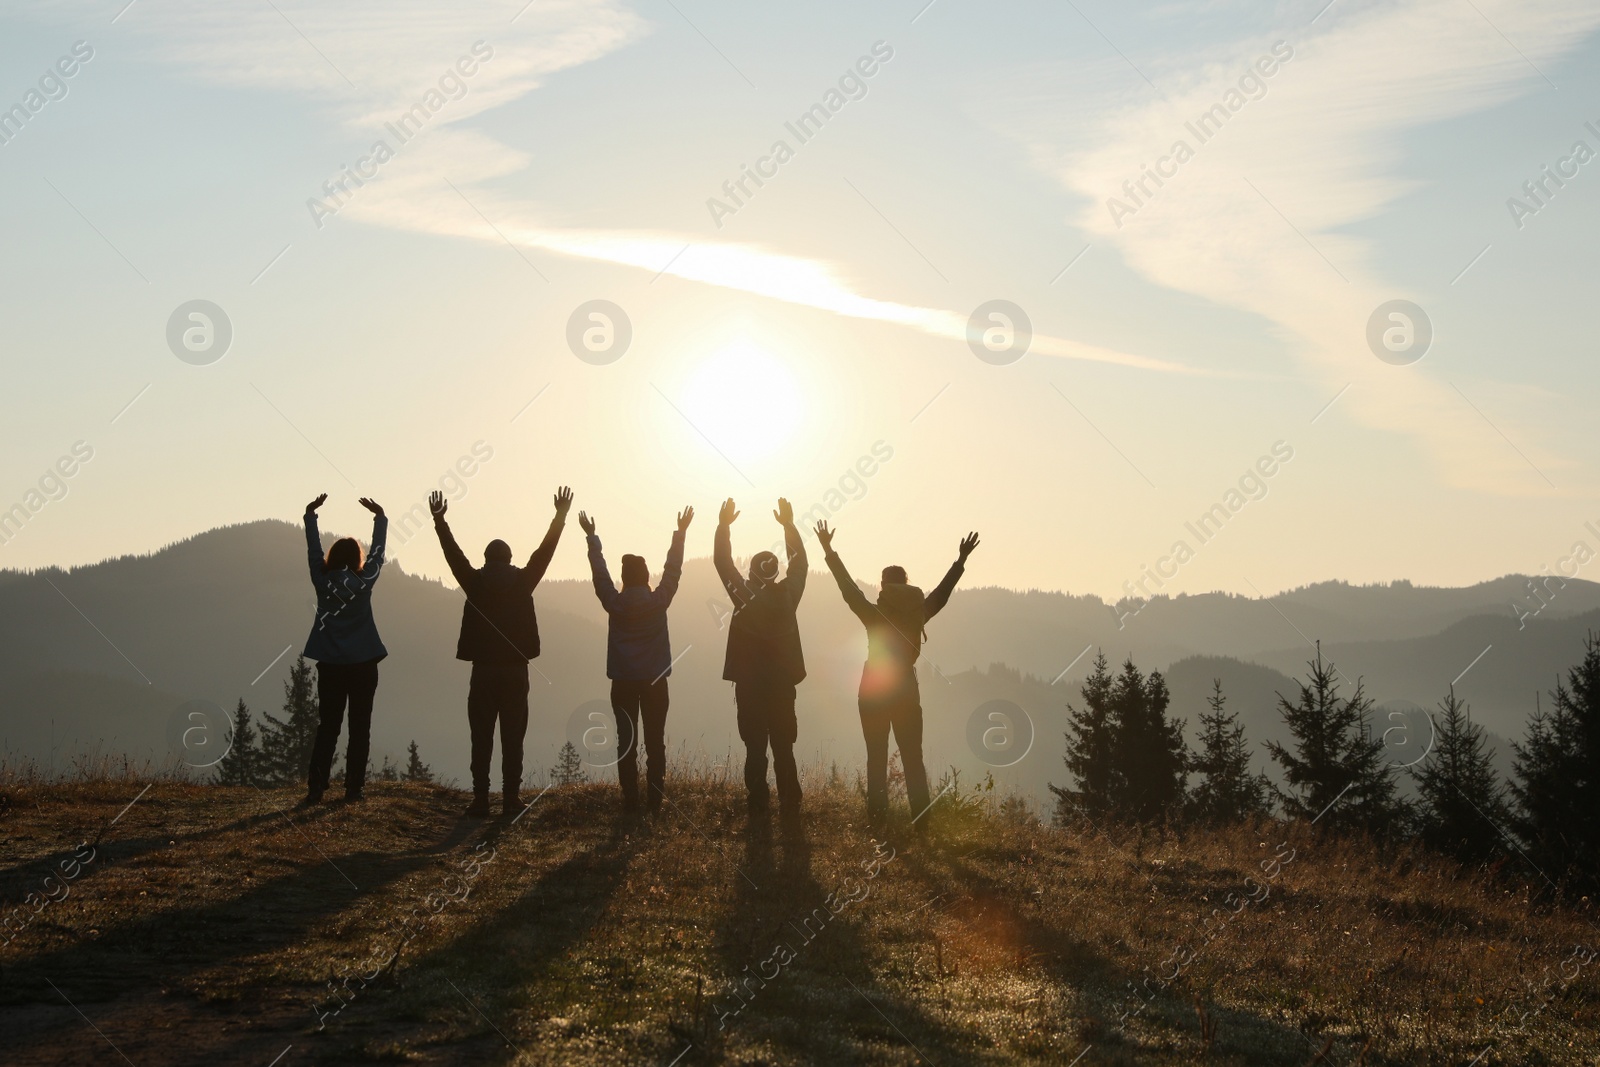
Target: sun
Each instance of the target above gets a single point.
(745, 400)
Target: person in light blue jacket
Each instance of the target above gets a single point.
(345, 643)
(638, 657)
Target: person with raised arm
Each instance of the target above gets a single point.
(889, 697)
(499, 637)
(764, 661)
(638, 657)
(345, 643)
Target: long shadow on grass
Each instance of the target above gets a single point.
(171, 939)
(974, 895)
(29, 875)
(795, 960)
(494, 958)
(488, 971)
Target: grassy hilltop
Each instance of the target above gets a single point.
(221, 926)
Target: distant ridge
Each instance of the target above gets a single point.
(205, 616)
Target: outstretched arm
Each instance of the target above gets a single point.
(854, 598)
(314, 539)
(604, 587)
(380, 540)
(795, 547)
(457, 559)
(539, 562)
(722, 555)
(940, 596)
(668, 587)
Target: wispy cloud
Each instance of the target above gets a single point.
(364, 63)
(420, 201)
(1255, 221)
(361, 61)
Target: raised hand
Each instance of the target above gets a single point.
(317, 503)
(586, 523)
(437, 504)
(371, 505)
(685, 517)
(825, 535)
(728, 513)
(969, 543)
(785, 513)
(563, 501)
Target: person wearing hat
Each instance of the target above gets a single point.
(638, 657)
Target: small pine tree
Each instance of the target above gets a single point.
(1558, 776)
(286, 743)
(1088, 756)
(1148, 756)
(388, 773)
(1129, 759)
(1229, 793)
(569, 767)
(1336, 758)
(1463, 809)
(416, 770)
(242, 764)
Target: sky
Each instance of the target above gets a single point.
(1196, 219)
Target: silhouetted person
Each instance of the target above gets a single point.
(764, 661)
(499, 635)
(889, 697)
(638, 657)
(345, 643)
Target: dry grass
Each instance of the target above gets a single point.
(211, 920)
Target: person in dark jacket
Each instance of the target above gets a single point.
(499, 636)
(638, 657)
(889, 697)
(345, 643)
(764, 661)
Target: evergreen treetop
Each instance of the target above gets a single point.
(1338, 775)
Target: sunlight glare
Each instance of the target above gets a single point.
(745, 400)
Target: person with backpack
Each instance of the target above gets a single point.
(345, 643)
(764, 661)
(889, 697)
(499, 636)
(638, 657)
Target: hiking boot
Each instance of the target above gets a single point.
(510, 804)
(479, 808)
(312, 799)
(352, 798)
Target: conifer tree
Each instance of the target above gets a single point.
(416, 770)
(1462, 810)
(1148, 756)
(1338, 775)
(242, 764)
(569, 767)
(388, 772)
(1128, 758)
(1229, 792)
(286, 743)
(1558, 777)
(1088, 756)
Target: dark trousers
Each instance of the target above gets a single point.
(498, 692)
(766, 717)
(629, 702)
(337, 684)
(900, 711)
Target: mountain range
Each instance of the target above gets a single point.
(99, 658)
